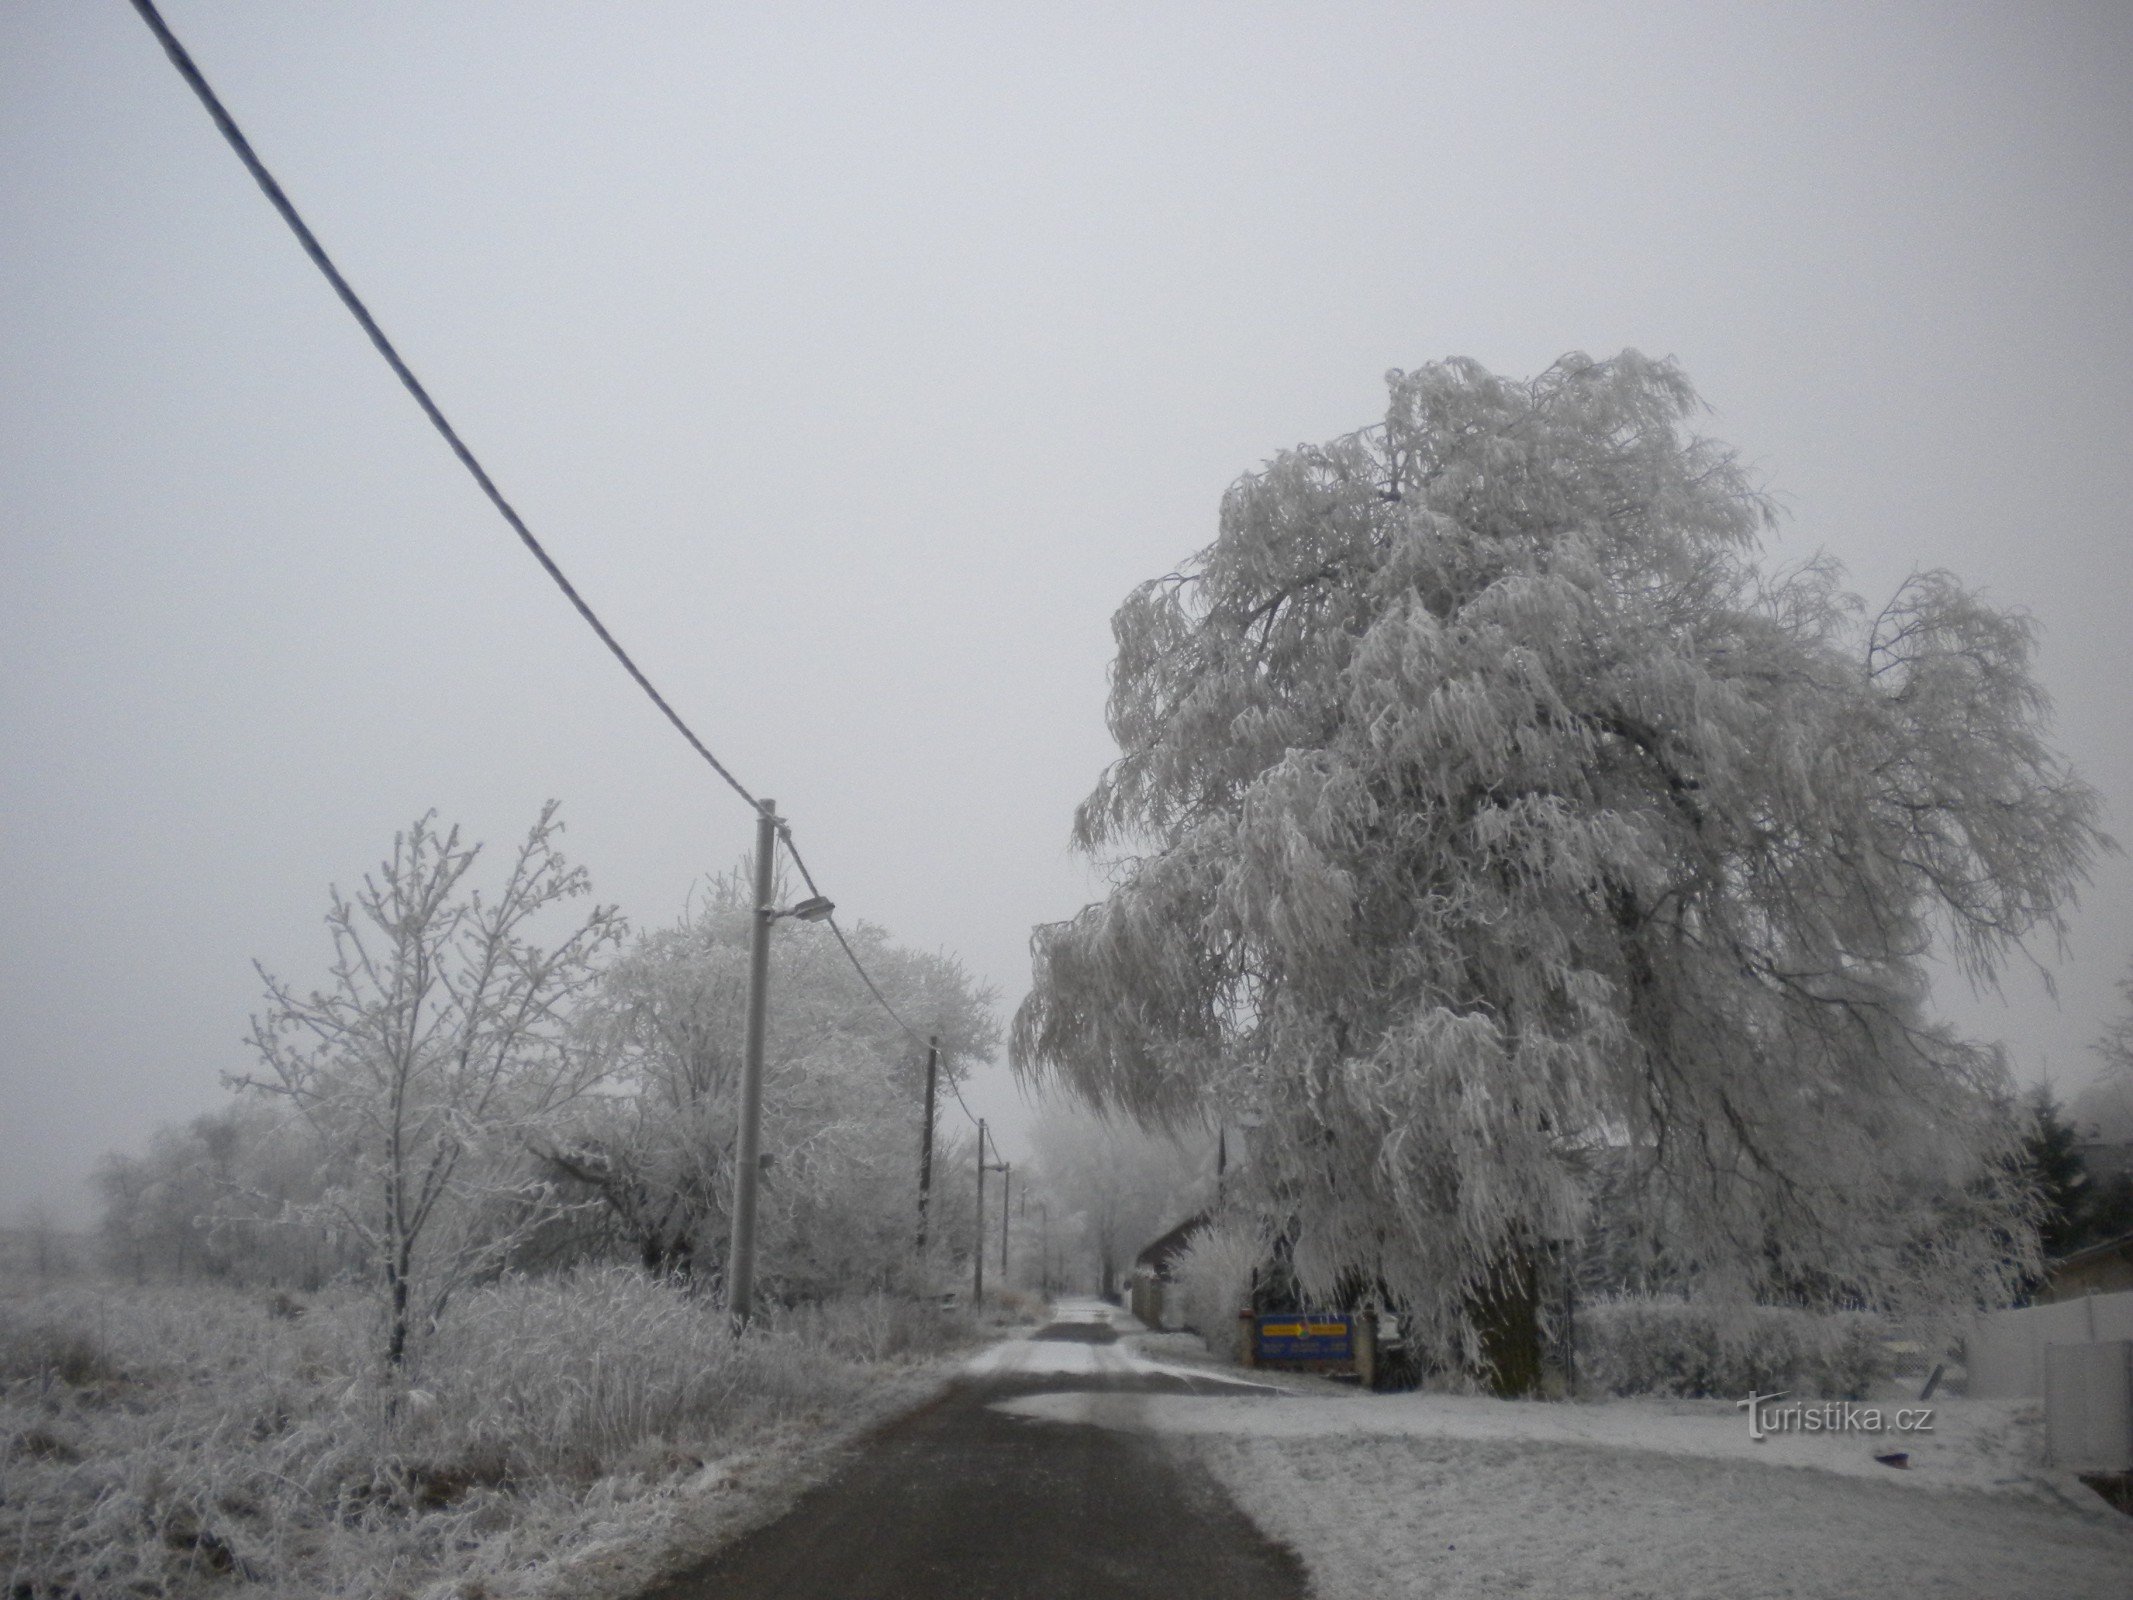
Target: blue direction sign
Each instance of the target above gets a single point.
(1306, 1336)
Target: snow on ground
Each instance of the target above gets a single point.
(1453, 1496)
(1975, 1444)
(1070, 1357)
(1375, 1517)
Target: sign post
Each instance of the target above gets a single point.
(1314, 1341)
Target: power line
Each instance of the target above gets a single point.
(354, 302)
(852, 956)
(190, 72)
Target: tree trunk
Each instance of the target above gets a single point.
(1506, 1317)
(396, 1342)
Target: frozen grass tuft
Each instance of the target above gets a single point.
(47, 1353)
(187, 1440)
(872, 1328)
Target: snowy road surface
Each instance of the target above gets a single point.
(963, 1500)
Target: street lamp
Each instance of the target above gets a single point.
(740, 1257)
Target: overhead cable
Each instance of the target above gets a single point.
(865, 977)
(190, 72)
(354, 302)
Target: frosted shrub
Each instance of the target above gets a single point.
(875, 1327)
(1213, 1279)
(564, 1378)
(162, 1441)
(1673, 1347)
(1009, 1307)
(48, 1353)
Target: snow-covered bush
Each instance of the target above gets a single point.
(169, 1439)
(875, 1327)
(1675, 1347)
(1213, 1279)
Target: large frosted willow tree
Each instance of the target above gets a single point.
(1486, 822)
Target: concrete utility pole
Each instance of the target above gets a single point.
(1044, 1246)
(925, 1139)
(977, 1254)
(978, 1251)
(740, 1259)
(747, 1163)
(1007, 1191)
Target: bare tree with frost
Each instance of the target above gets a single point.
(436, 1051)
(1485, 815)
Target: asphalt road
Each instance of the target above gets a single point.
(960, 1502)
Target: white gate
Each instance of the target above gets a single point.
(2005, 1356)
(2088, 1405)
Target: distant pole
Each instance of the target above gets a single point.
(740, 1259)
(1044, 1244)
(925, 1139)
(977, 1254)
(1221, 1160)
(1007, 1190)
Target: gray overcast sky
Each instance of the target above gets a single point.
(857, 360)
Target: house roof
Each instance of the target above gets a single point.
(1158, 1255)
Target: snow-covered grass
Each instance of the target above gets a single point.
(1456, 1519)
(189, 1440)
(1987, 1445)
(1668, 1499)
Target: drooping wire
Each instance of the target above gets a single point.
(975, 1120)
(190, 72)
(865, 977)
(356, 308)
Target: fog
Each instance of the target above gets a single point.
(856, 362)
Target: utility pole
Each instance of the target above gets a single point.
(925, 1139)
(740, 1259)
(1044, 1245)
(1007, 1190)
(977, 1254)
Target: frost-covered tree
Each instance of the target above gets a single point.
(1482, 806)
(435, 1054)
(1115, 1184)
(2064, 1189)
(843, 1092)
(234, 1194)
(2115, 1046)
